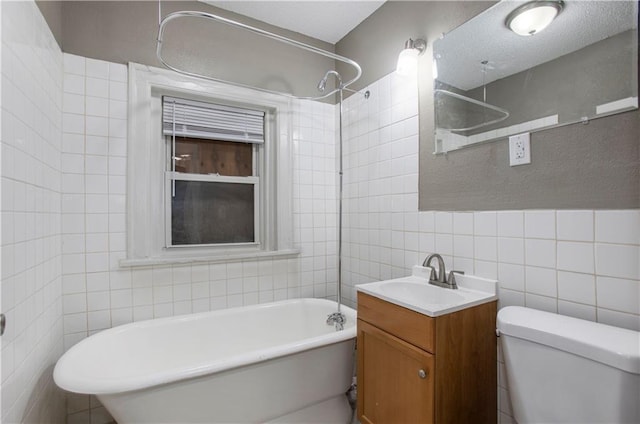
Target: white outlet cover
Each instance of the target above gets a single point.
(519, 149)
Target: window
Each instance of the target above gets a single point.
(212, 191)
(209, 171)
(212, 194)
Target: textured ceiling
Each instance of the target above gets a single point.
(325, 20)
(486, 37)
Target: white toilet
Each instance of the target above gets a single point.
(567, 370)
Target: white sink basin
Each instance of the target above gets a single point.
(415, 292)
(408, 291)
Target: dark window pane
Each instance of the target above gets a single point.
(212, 213)
(197, 156)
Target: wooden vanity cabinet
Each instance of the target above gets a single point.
(417, 369)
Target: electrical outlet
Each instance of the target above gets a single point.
(519, 149)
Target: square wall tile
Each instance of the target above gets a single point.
(511, 276)
(118, 72)
(98, 301)
(73, 123)
(578, 257)
(97, 281)
(74, 303)
(99, 320)
(463, 246)
(485, 223)
(465, 265)
(486, 248)
(73, 64)
(619, 294)
(541, 281)
(511, 250)
(622, 227)
(540, 224)
(73, 103)
(97, 106)
(510, 298)
(73, 243)
(511, 224)
(74, 84)
(618, 260)
(74, 284)
(486, 269)
(118, 90)
(444, 244)
(426, 222)
(75, 323)
(574, 287)
(444, 222)
(540, 253)
(575, 225)
(97, 126)
(142, 296)
(97, 68)
(463, 223)
(97, 87)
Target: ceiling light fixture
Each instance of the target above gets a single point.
(408, 58)
(533, 17)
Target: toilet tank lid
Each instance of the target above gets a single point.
(617, 347)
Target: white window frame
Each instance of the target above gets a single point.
(147, 172)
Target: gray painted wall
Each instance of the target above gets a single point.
(573, 167)
(126, 31)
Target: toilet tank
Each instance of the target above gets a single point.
(567, 370)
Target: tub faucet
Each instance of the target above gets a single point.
(338, 319)
(440, 278)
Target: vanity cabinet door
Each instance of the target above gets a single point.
(395, 379)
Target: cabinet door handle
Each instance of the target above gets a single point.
(422, 374)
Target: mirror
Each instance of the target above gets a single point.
(492, 83)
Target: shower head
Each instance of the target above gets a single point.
(322, 85)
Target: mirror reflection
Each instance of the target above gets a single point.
(491, 82)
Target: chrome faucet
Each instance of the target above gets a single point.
(440, 278)
(338, 319)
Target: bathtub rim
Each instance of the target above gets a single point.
(64, 376)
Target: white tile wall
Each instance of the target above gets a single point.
(582, 263)
(31, 246)
(99, 294)
(381, 234)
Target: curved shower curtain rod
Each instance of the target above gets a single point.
(285, 40)
(504, 112)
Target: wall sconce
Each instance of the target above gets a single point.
(408, 58)
(533, 17)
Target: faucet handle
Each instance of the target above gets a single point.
(451, 279)
(432, 275)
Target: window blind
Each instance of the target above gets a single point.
(191, 118)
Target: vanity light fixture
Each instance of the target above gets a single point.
(534, 16)
(408, 58)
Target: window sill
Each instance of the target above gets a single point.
(232, 257)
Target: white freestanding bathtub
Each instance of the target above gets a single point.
(276, 362)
